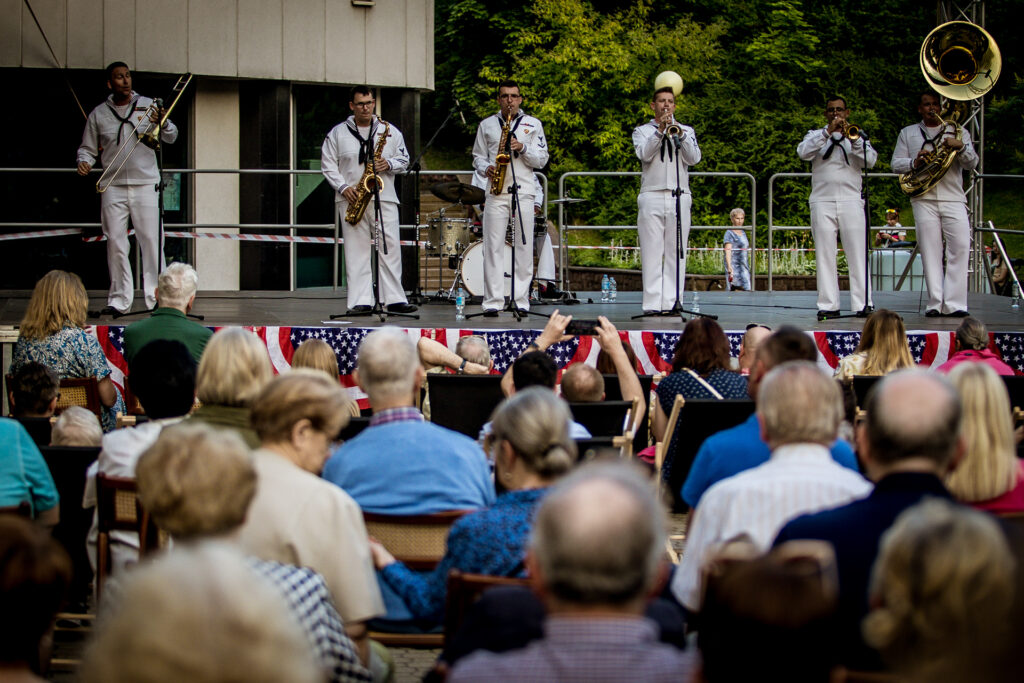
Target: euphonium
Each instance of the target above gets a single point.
(926, 176)
(369, 183)
(502, 158)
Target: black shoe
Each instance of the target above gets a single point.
(550, 291)
(402, 307)
(957, 314)
(361, 308)
(490, 312)
(827, 315)
(865, 312)
(932, 313)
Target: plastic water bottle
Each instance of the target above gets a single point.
(696, 302)
(460, 305)
(1015, 299)
(612, 291)
(605, 288)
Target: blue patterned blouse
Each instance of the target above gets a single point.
(490, 541)
(70, 353)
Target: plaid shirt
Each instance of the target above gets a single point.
(403, 414)
(306, 594)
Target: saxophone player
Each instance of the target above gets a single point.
(529, 152)
(345, 155)
(941, 212)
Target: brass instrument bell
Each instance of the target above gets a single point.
(960, 60)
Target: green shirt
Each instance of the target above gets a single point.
(166, 323)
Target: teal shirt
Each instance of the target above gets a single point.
(24, 475)
(166, 323)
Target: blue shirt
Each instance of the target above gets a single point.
(24, 475)
(735, 450)
(412, 467)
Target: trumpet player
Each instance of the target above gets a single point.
(133, 192)
(666, 150)
(941, 212)
(837, 207)
(529, 153)
(347, 150)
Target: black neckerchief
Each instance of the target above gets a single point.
(833, 143)
(666, 144)
(126, 119)
(934, 142)
(364, 145)
(512, 129)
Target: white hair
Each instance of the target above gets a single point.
(176, 285)
(387, 364)
(77, 426)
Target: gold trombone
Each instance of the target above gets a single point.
(146, 131)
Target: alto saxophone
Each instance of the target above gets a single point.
(502, 158)
(370, 182)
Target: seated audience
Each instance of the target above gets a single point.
(752, 338)
(32, 392)
(941, 596)
(531, 448)
(234, 369)
(799, 409)
(297, 517)
(595, 558)
(883, 347)
(199, 614)
(742, 447)
(585, 384)
(316, 354)
(197, 484)
(472, 355)
(989, 476)
(24, 476)
(908, 441)
(34, 576)
(778, 609)
(175, 294)
(53, 333)
(973, 346)
(401, 464)
(606, 365)
(77, 426)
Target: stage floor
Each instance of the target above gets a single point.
(312, 308)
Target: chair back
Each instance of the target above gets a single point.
(418, 541)
(39, 428)
(1015, 388)
(602, 418)
(463, 591)
(79, 391)
(589, 448)
(118, 509)
(862, 385)
(463, 403)
(613, 392)
(68, 466)
(131, 401)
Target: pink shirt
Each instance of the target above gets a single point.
(1011, 501)
(972, 356)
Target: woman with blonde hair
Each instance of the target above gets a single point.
(233, 371)
(989, 477)
(316, 354)
(53, 333)
(883, 347)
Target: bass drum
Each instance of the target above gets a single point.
(473, 268)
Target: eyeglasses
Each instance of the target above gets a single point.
(364, 105)
(834, 110)
(510, 96)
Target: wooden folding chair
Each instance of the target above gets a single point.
(464, 590)
(118, 509)
(463, 403)
(79, 391)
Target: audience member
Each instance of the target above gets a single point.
(989, 477)
(595, 558)
(197, 483)
(234, 369)
(908, 441)
(941, 595)
(34, 576)
(32, 392)
(297, 517)
(531, 447)
(585, 384)
(77, 426)
(201, 615)
(316, 354)
(606, 365)
(472, 355)
(973, 346)
(799, 409)
(175, 294)
(770, 617)
(582, 383)
(53, 333)
(752, 338)
(700, 369)
(24, 476)
(883, 347)
(732, 451)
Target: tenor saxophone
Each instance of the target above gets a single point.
(502, 158)
(370, 182)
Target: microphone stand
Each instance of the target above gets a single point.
(865, 197)
(680, 255)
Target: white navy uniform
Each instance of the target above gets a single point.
(133, 193)
(497, 208)
(339, 162)
(656, 215)
(837, 209)
(940, 214)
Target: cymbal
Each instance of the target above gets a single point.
(457, 192)
(567, 200)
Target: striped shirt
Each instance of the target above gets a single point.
(755, 504)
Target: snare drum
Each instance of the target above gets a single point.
(473, 268)
(448, 236)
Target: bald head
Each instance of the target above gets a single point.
(798, 403)
(752, 339)
(582, 383)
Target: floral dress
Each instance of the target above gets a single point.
(71, 352)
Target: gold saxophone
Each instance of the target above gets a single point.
(369, 183)
(502, 158)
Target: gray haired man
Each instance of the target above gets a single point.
(175, 294)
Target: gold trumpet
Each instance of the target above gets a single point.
(849, 130)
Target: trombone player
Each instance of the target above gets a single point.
(838, 154)
(132, 192)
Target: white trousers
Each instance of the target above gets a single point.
(936, 221)
(359, 275)
(497, 210)
(545, 257)
(117, 204)
(656, 232)
(830, 219)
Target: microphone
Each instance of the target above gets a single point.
(458, 107)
